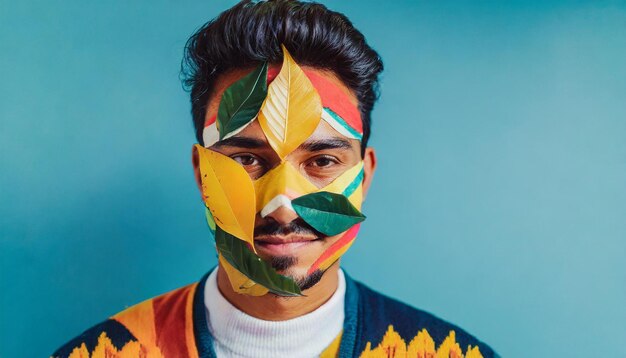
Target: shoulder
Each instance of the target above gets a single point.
(136, 330)
(105, 336)
(389, 322)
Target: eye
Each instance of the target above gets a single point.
(254, 165)
(323, 161)
(246, 160)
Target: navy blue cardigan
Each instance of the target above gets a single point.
(368, 316)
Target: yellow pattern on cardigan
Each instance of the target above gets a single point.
(106, 349)
(421, 346)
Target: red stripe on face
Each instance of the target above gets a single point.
(272, 72)
(170, 322)
(346, 239)
(210, 121)
(336, 99)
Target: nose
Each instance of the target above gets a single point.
(283, 215)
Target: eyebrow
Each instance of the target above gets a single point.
(323, 144)
(241, 142)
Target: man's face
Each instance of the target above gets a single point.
(281, 237)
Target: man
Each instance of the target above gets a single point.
(281, 95)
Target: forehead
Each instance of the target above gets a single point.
(323, 131)
(228, 78)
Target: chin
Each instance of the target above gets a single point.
(288, 266)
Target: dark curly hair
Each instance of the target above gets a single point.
(252, 31)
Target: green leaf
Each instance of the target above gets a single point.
(326, 212)
(237, 253)
(242, 101)
(210, 221)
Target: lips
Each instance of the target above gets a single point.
(283, 245)
(271, 239)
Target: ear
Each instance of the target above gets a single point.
(369, 167)
(195, 161)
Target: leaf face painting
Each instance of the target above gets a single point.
(245, 261)
(292, 109)
(288, 110)
(328, 213)
(242, 101)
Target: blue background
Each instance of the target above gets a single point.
(499, 203)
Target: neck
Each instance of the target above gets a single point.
(270, 307)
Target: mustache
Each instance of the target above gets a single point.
(297, 226)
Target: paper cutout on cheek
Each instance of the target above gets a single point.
(288, 110)
(349, 185)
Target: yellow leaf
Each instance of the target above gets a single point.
(241, 283)
(228, 193)
(292, 109)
